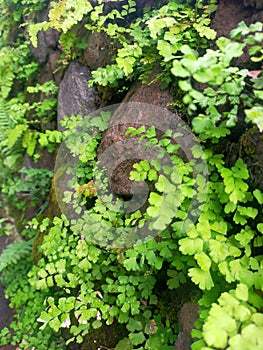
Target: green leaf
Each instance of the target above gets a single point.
(131, 264)
(164, 185)
(190, 246)
(15, 134)
(201, 124)
(259, 196)
(220, 227)
(178, 70)
(203, 261)
(61, 265)
(167, 50)
(154, 260)
(124, 344)
(242, 292)
(126, 64)
(255, 115)
(242, 29)
(134, 325)
(155, 199)
(152, 175)
(185, 85)
(137, 338)
(202, 278)
(55, 324)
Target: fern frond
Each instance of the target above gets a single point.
(15, 252)
(6, 120)
(9, 156)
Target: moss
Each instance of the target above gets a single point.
(51, 211)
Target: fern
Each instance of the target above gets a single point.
(6, 121)
(7, 75)
(8, 155)
(15, 252)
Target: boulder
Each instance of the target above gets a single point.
(99, 50)
(130, 113)
(75, 97)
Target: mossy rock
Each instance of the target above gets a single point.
(51, 211)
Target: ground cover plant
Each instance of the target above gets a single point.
(208, 246)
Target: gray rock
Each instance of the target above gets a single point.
(47, 42)
(99, 50)
(187, 316)
(75, 97)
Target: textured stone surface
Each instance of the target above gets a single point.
(126, 153)
(258, 4)
(187, 316)
(75, 97)
(47, 41)
(230, 12)
(99, 50)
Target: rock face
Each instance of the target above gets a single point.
(99, 50)
(47, 43)
(187, 316)
(129, 115)
(230, 12)
(75, 97)
(254, 3)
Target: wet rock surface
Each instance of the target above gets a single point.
(75, 97)
(132, 116)
(99, 50)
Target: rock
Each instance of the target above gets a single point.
(40, 52)
(125, 154)
(250, 148)
(187, 316)
(75, 97)
(46, 160)
(99, 50)
(229, 13)
(52, 65)
(258, 4)
(51, 37)
(47, 39)
(110, 4)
